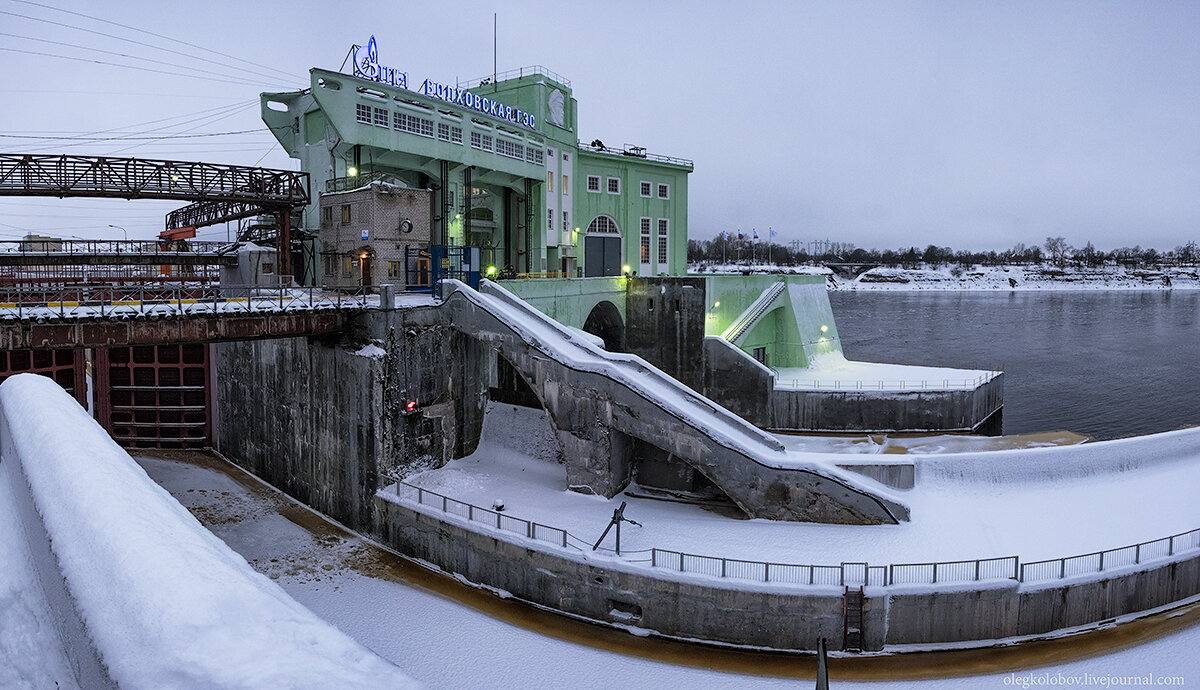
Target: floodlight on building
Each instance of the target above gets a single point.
(352, 171)
(491, 271)
(626, 270)
(824, 329)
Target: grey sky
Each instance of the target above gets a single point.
(969, 124)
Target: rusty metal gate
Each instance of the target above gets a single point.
(66, 367)
(155, 396)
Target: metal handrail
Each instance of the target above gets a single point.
(843, 574)
(501, 521)
(885, 384)
(63, 302)
(517, 73)
(54, 246)
(638, 154)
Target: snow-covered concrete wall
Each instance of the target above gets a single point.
(145, 596)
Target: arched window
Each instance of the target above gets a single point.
(603, 225)
(481, 213)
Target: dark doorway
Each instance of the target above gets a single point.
(365, 263)
(605, 321)
(601, 256)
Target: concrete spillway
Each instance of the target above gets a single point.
(602, 404)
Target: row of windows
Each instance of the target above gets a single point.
(327, 214)
(415, 124)
(412, 123)
(350, 264)
(614, 187)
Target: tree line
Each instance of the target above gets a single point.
(1055, 250)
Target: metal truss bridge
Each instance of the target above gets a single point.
(218, 193)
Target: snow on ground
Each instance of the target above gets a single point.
(952, 519)
(164, 602)
(31, 654)
(450, 636)
(1035, 277)
(832, 371)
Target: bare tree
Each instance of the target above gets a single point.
(1058, 249)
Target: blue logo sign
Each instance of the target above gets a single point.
(367, 66)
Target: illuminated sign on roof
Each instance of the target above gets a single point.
(366, 66)
(483, 104)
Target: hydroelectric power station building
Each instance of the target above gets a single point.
(494, 163)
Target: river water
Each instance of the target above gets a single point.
(1105, 363)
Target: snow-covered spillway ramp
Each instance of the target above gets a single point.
(143, 596)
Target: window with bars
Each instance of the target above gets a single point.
(540, 157)
(413, 124)
(645, 243)
(664, 191)
(550, 220)
(663, 236)
(381, 117)
(566, 221)
(504, 147)
(362, 113)
(603, 224)
(593, 183)
(614, 185)
(645, 188)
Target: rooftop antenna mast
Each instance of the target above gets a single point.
(493, 52)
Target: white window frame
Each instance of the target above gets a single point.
(646, 189)
(590, 180)
(664, 241)
(664, 191)
(644, 243)
(362, 113)
(608, 185)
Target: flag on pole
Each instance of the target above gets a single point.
(756, 234)
(773, 233)
(741, 235)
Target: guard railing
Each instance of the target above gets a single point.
(76, 302)
(848, 573)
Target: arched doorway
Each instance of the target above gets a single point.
(602, 248)
(605, 321)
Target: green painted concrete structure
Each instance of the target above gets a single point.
(797, 325)
(502, 159)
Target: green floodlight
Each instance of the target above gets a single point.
(626, 270)
(491, 271)
(352, 171)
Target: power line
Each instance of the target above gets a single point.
(143, 69)
(117, 130)
(208, 121)
(139, 138)
(120, 38)
(138, 57)
(165, 38)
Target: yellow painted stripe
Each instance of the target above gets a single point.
(8, 305)
(62, 304)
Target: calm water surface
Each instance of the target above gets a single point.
(1105, 364)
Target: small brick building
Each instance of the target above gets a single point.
(368, 234)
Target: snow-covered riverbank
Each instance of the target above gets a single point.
(1034, 277)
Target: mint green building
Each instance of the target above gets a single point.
(502, 160)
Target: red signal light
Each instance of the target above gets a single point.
(410, 407)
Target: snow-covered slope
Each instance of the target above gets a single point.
(140, 593)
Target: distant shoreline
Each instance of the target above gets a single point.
(1017, 278)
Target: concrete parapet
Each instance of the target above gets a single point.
(775, 615)
(886, 410)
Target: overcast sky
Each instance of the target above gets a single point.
(885, 124)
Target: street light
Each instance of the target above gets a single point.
(121, 229)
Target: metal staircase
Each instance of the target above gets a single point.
(748, 318)
(852, 612)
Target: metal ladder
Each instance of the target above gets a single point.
(743, 322)
(852, 614)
